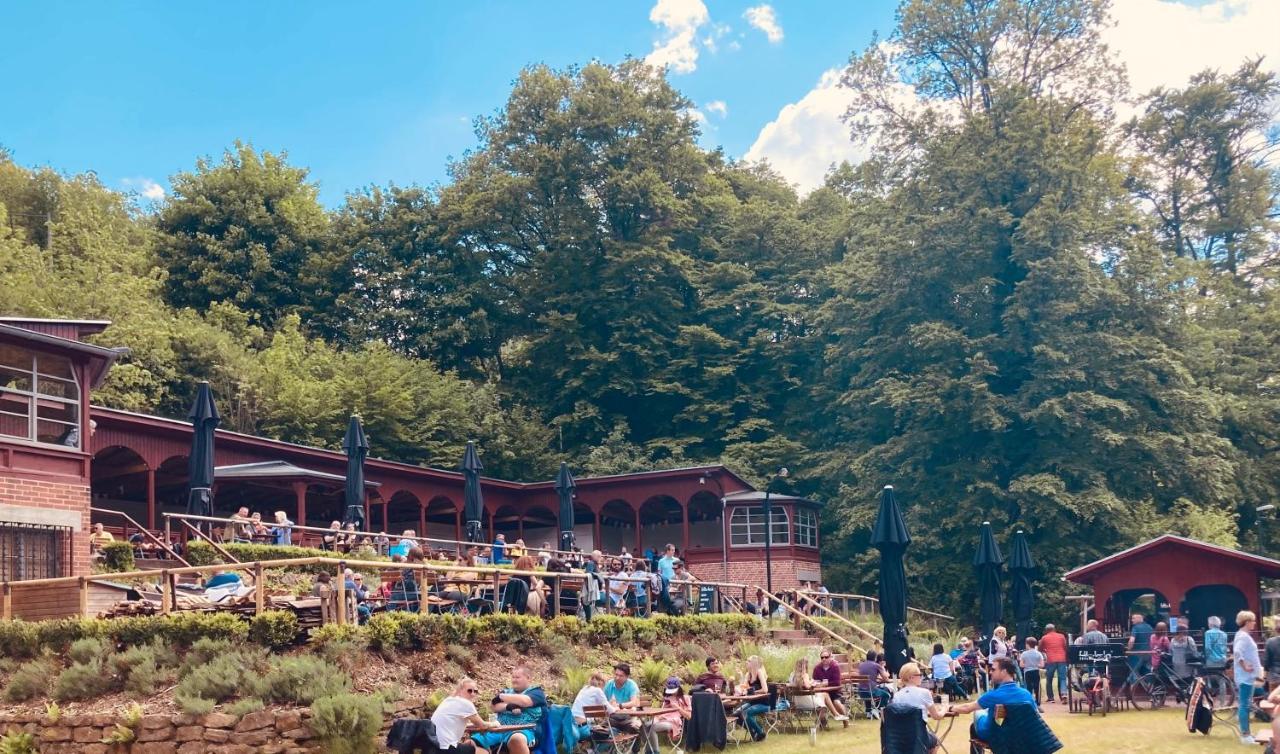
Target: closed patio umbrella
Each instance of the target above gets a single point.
(204, 420)
(891, 538)
(564, 490)
(1021, 573)
(987, 561)
(472, 498)
(357, 447)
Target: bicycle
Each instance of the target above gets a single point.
(1154, 687)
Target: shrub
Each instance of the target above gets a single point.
(18, 743)
(347, 723)
(57, 636)
(303, 679)
(433, 630)
(30, 681)
(651, 675)
(391, 631)
(461, 655)
(331, 633)
(245, 706)
(194, 705)
(117, 557)
(274, 629)
(201, 553)
(644, 633)
(18, 639)
(87, 650)
(555, 645)
(83, 681)
(217, 680)
(184, 629)
(521, 632)
(567, 626)
(143, 678)
(608, 629)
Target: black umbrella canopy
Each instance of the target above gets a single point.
(472, 497)
(204, 420)
(891, 538)
(987, 561)
(357, 447)
(1021, 573)
(564, 489)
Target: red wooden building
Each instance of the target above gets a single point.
(1176, 576)
(137, 464)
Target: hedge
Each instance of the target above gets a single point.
(201, 553)
(117, 557)
(24, 640)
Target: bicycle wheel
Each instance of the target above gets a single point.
(1222, 689)
(1149, 690)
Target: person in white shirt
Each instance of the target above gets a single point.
(591, 695)
(913, 694)
(453, 716)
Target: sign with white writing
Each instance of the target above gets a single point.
(1095, 653)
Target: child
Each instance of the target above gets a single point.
(1032, 662)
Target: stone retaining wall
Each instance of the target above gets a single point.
(283, 731)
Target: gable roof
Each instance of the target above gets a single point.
(1085, 574)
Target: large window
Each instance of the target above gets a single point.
(806, 527)
(32, 551)
(746, 526)
(39, 397)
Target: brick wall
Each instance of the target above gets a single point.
(752, 572)
(42, 495)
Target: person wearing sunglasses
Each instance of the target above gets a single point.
(454, 714)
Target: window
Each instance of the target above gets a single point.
(39, 397)
(33, 551)
(806, 527)
(746, 526)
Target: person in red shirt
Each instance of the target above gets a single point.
(1054, 647)
(827, 673)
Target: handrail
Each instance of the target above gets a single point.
(220, 549)
(841, 618)
(845, 596)
(774, 599)
(145, 532)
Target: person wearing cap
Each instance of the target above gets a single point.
(670, 722)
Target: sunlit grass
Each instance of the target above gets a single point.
(1133, 732)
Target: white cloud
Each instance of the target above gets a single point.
(712, 40)
(808, 136)
(1164, 43)
(144, 187)
(718, 107)
(680, 21)
(763, 18)
(1161, 42)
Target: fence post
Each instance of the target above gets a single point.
(555, 595)
(84, 596)
(7, 610)
(259, 588)
(341, 594)
(165, 586)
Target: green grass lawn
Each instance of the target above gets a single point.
(1132, 732)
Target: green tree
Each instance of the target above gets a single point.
(247, 230)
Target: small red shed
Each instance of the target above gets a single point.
(1189, 579)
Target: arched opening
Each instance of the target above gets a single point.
(171, 487)
(661, 523)
(402, 512)
(617, 526)
(584, 527)
(506, 521)
(1137, 601)
(1221, 600)
(541, 529)
(706, 523)
(118, 482)
(442, 521)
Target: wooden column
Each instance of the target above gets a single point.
(300, 501)
(341, 592)
(685, 549)
(164, 592)
(151, 499)
(457, 525)
(6, 612)
(638, 546)
(84, 596)
(259, 589)
(422, 519)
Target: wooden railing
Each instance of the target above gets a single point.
(871, 605)
(145, 532)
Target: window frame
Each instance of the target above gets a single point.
(38, 402)
(752, 525)
(806, 527)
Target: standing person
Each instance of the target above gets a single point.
(999, 643)
(1053, 646)
(1246, 669)
(1182, 649)
(1159, 644)
(667, 572)
(1139, 646)
(1215, 656)
(1092, 635)
(453, 716)
(1032, 661)
(827, 672)
(282, 532)
(1271, 656)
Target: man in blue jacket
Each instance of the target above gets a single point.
(1004, 677)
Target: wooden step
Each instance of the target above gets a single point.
(155, 564)
(786, 634)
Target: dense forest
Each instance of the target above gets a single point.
(1044, 301)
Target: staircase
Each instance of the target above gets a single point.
(793, 637)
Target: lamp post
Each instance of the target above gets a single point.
(1262, 526)
(768, 528)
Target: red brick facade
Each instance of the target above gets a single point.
(54, 496)
(787, 571)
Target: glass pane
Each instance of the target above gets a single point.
(54, 366)
(15, 356)
(57, 433)
(15, 378)
(15, 412)
(57, 388)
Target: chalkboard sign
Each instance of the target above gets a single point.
(706, 599)
(1078, 654)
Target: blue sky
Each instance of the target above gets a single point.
(369, 93)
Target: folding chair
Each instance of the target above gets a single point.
(771, 721)
(805, 707)
(605, 739)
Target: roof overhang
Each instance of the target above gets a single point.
(1086, 574)
(757, 496)
(267, 471)
(100, 358)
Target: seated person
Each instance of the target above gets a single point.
(223, 579)
(591, 695)
(819, 702)
(874, 695)
(944, 669)
(1004, 679)
(624, 693)
(671, 723)
(99, 537)
(827, 673)
(499, 550)
(453, 716)
(521, 704)
(712, 680)
(757, 682)
(913, 694)
(330, 539)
